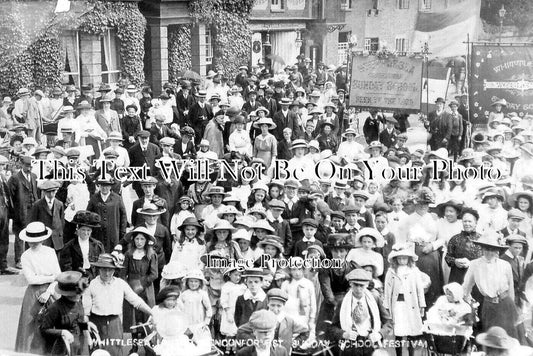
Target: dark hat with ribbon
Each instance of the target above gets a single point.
(86, 218)
(70, 283)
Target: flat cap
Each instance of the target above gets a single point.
(278, 294)
(263, 320)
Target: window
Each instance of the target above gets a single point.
(425, 5)
(374, 4)
(403, 4)
(346, 4)
(110, 55)
(402, 46)
(342, 47)
(372, 44)
(276, 5)
(70, 44)
(208, 46)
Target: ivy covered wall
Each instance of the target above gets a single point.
(179, 50)
(30, 54)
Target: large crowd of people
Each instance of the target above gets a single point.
(103, 255)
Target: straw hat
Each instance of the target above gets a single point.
(70, 283)
(191, 221)
(272, 240)
(230, 209)
(497, 338)
(513, 198)
(374, 144)
(224, 225)
(150, 239)
(196, 274)
(172, 270)
(151, 209)
(242, 234)
(35, 232)
(263, 224)
(349, 131)
(457, 205)
(265, 120)
(402, 250)
(491, 239)
(373, 233)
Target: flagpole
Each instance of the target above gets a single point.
(468, 143)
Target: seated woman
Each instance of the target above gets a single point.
(451, 314)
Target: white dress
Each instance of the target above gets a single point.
(302, 300)
(187, 255)
(228, 296)
(445, 231)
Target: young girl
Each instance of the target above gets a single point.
(272, 247)
(172, 275)
(261, 228)
(188, 250)
(184, 209)
(243, 237)
(140, 271)
(223, 242)
(404, 294)
(368, 238)
(258, 196)
(523, 201)
(229, 214)
(231, 290)
(373, 194)
(381, 221)
(195, 302)
(301, 304)
(275, 190)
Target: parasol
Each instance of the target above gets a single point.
(189, 74)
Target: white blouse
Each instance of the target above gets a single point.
(40, 265)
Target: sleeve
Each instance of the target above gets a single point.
(130, 296)
(510, 282)
(65, 259)
(274, 148)
(325, 286)
(31, 275)
(450, 253)
(206, 302)
(238, 311)
(152, 272)
(469, 281)
(48, 322)
(388, 285)
(420, 291)
(224, 297)
(123, 218)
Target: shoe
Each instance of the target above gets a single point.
(6, 272)
(18, 265)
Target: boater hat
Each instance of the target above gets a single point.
(107, 260)
(35, 232)
(402, 250)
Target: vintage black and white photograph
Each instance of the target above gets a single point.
(266, 177)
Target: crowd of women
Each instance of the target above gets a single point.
(101, 255)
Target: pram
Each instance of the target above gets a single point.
(449, 340)
(153, 342)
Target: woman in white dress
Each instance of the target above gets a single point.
(448, 226)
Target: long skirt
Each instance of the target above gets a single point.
(502, 314)
(29, 338)
(110, 330)
(430, 265)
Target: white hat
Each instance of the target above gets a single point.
(35, 232)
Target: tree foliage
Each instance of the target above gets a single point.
(179, 50)
(519, 13)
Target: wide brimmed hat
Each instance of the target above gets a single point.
(29, 141)
(457, 205)
(513, 198)
(262, 224)
(107, 260)
(272, 240)
(265, 121)
(440, 153)
(167, 292)
(491, 239)
(349, 131)
(375, 144)
(224, 225)
(492, 193)
(70, 283)
(230, 209)
(340, 240)
(402, 250)
(298, 143)
(497, 338)
(214, 190)
(35, 232)
(150, 239)
(173, 270)
(373, 233)
(86, 218)
(467, 154)
(527, 148)
(501, 102)
(190, 221)
(114, 136)
(263, 109)
(242, 234)
(104, 88)
(84, 105)
(195, 274)
(260, 185)
(151, 209)
(258, 209)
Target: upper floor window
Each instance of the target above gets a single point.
(375, 4)
(110, 55)
(208, 46)
(70, 44)
(401, 45)
(425, 5)
(372, 44)
(346, 4)
(403, 4)
(276, 5)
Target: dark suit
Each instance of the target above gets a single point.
(518, 267)
(283, 230)
(282, 121)
(23, 195)
(71, 257)
(198, 119)
(371, 129)
(5, 207)
(505, 232)
(113, 219)
(183, 104)
(53, 219)
(157, 133)
(249, 107)
(245, 308)
(189, 152)
(271, 105)
(274, 351)
(388, 139)
(130, 126)
(138, 158)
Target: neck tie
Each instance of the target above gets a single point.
(358, 313)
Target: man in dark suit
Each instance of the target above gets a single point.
(23, 191)
(5, 206)
(148, 187)
(281, 226)
(269, 102)
(371, 126)
(242, 78)
(75, 258)
(253, 299)
(389, 135)
(112, 213)
(184, 145)
(514, 218)
(263, 324)
(50, 212)
(160, 130)
(184, 102)
(252, 104)
(143, 152)
(285, 118)
(199, 115)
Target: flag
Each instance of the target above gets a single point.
(62, 6)
(434, 85)
(445, 31)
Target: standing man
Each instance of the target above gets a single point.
(112, 213)
(141, 153)
(285, 118)
(269, 102)
(251, 104)
(5, 206)
(263, 323)
(51, 213)
(433, 125)
(454, 141)
(199, 115)
(23, 191)
(388, 136)
(372, 126)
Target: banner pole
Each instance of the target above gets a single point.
(468, 136)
